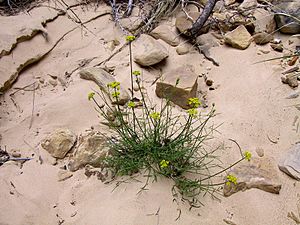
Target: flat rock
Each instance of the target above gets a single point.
(290, 162)
(286, 24)
(102, 78)
(91, 150)
(239, 38)
(166, 34)
(131, 23)
(259, 173)
(183, 49)
(59, 143)
(186, 88)
(291, 80)
(148, 51)
(64, 175)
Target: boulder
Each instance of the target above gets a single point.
(180, 93)
(59, 143)
(165, 33)
(290, 162)
(91, 150)
(147, 51)
(259, 173)
(264, 21)
(238, 38)
(183, 23)
(102, 78)
(290, 22)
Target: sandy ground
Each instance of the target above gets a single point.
(249, 98)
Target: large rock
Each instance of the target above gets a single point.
(165, 33)
(59, 143)
(259, 173)
(238, 38)
(102, 78)
(186, 88)
(286, 23)
(183, 23)
(290, 162)
(148, 51)
(91, 150)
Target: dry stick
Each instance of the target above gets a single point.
(238, 146)
(196, 27)
(129, 7)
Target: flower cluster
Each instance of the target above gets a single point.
(192, 112)
(231, 179)
(131, 104)
(136, 73)
(91, 95)
(130, 38)
(114, 85)
(155, 115)
(164, 163)
(194, 103)
(247, 155)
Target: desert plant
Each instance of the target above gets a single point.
(156, 141)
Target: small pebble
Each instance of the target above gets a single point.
(260, 152)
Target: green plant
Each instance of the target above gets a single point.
(155, 140)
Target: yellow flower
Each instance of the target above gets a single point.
(164, 163)
(247, 155)
(136, 72)
(114, 85)
(131, 104)
(91, 95)
(231, 179)
(155, 115)
(130, 38)
(192, 112)
(194, 102)
(115, 94)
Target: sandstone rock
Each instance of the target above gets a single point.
(183, 49)
(259, 173)
(287, 24)
(102, 78)
(291, 80)
(264, 21)
(290, 162)
(165, 33)
(64, 175)
(91, 150)
(131, 23)
(186, 88)
(262, 38)
(277, 47)
(229, 2)
(208, 40)
(183, 23)
(59, 143)
(148, 51)
(247, 4)
(238, 38)
(260, 152)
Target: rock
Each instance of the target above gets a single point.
(148, 51)
(186, 88)
(259, 173)
(247, 5)
(101, 173)
(277, 47)
(64, 175)
(183, 49)
(59, 143)
(131, 23)
(16, 154)
(287, 24)
(102, 78)
(291, 80)
(207, 40)
(290, 162)
(264, 21)
(262, 38)
(229, 2)
(165, 33)
(238, 38)
(260, 152)
(183, 23)
(91, 150)
(53, 82)
(209, 82)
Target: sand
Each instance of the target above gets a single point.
(251, 105)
